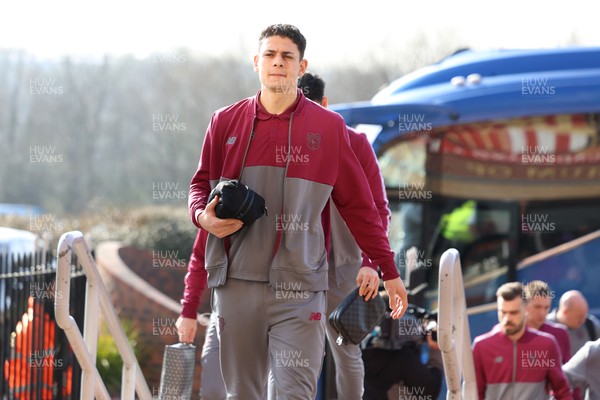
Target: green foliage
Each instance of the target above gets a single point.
(164, 232)
(108, 359)
(158, 228)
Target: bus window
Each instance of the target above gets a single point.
(544, 225)
(475, 186)
(480, 231)
(403, 170)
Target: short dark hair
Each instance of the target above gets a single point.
(536, 289)
(287, 31)
(510, 291)
(312, 86)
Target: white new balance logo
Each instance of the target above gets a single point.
(231, 140)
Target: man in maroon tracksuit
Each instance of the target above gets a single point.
(269, 279)
(513, 361)
(345, 257)
(539, 298)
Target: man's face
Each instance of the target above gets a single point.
(278, 65)
(537, 309)
(575, 316)
(511, 315)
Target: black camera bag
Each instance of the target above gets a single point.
(238, 201)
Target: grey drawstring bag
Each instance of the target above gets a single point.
(177, 376)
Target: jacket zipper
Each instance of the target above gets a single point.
(514, 369)
(287, 163)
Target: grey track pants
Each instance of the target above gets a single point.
(213, 387)
(260, 327)
(349, 367)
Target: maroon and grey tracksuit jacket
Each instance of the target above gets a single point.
(561, 335)
(345, 256)
(520, 370)
(296, 173)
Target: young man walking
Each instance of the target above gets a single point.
(296, 155)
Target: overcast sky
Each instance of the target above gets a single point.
(336, 30)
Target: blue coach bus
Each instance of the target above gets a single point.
(497, 154)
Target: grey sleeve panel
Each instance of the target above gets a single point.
(344, 254)
(575, 368)
(582, 369)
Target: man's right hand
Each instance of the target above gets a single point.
(209, 221)
(398, 296)
(186, 328)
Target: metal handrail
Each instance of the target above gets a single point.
(85, 347)
(454, 336)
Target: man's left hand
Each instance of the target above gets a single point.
(398, 296)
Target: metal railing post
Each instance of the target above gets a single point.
(90, 330)
(85, 349)
(454, 336)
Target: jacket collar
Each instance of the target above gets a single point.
(256, 110)
(526, 336)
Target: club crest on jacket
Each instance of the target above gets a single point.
(313, 140)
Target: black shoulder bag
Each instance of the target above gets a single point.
(237, 200)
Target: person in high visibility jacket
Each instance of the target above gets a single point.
(22, 367)
(459, 225)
